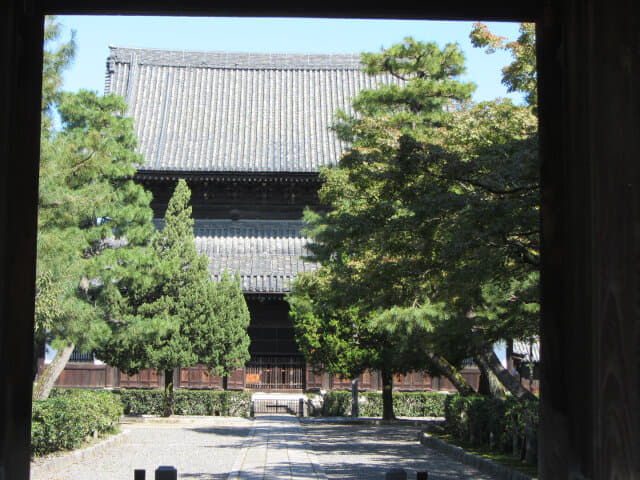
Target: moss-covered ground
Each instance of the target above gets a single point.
(499, 458)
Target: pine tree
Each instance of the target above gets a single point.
(88, 206)
(429, 245)
(371, 259)
(91, 215)
(169, 314)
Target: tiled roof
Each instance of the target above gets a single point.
(208, 111)
(530, 352)
(266, 253)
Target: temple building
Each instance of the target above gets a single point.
(249, 133)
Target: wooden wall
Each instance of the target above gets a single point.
(238, 196)
(88, 375)
(370, 381)
(271, 330)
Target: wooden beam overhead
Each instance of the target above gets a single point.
(491, 10)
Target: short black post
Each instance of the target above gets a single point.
(139, 475)
(422, 475)
(396, 474)
(301, 407)
(166, 473)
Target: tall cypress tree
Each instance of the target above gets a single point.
(221, 342)
(169, 314)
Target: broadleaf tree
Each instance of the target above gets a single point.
(168, 313)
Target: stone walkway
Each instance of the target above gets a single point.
(278, 450)
(366, 452)
(269, 448)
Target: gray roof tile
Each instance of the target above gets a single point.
(530, 352)
(210, 111)
(266, 253)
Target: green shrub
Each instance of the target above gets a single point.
(405, 404)
(142, 402)
(188, 402)
(237, 404)
(455, 414)
(65, 420)
(523, 418)
(370, 404)
(336, 404)
(193, 402)
(501, 425)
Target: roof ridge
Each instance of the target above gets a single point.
(235, 60)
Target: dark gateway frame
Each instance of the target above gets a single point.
(589, 110)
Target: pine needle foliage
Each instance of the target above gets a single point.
(90, 211)
(371, 259)
(168, 313)
(429, 245)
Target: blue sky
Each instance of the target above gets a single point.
(274, 35)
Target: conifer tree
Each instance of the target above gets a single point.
(363, 242)
(223, 346)
(431, 231)
(169, 314)
(90, 212)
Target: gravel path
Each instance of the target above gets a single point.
(201, 449)
(269, 448)
(361, 451)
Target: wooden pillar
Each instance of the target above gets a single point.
(20, 87)
(589, 66)
(326, 381)
(112, 377)
(435, 384)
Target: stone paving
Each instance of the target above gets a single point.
(200, 449)
(277, 451)
(269, 448)
(362, 451)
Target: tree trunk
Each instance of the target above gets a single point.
(51, 373)
(38, 350)
(355, 411)
(387, 396)
(488, 360)
(489, 383)
(531, 444)
(167, 409)
(446, 369)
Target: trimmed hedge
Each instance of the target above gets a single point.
(405, 404)
(67, 418)
(188, 402)
(336, 404)
(505, 426)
